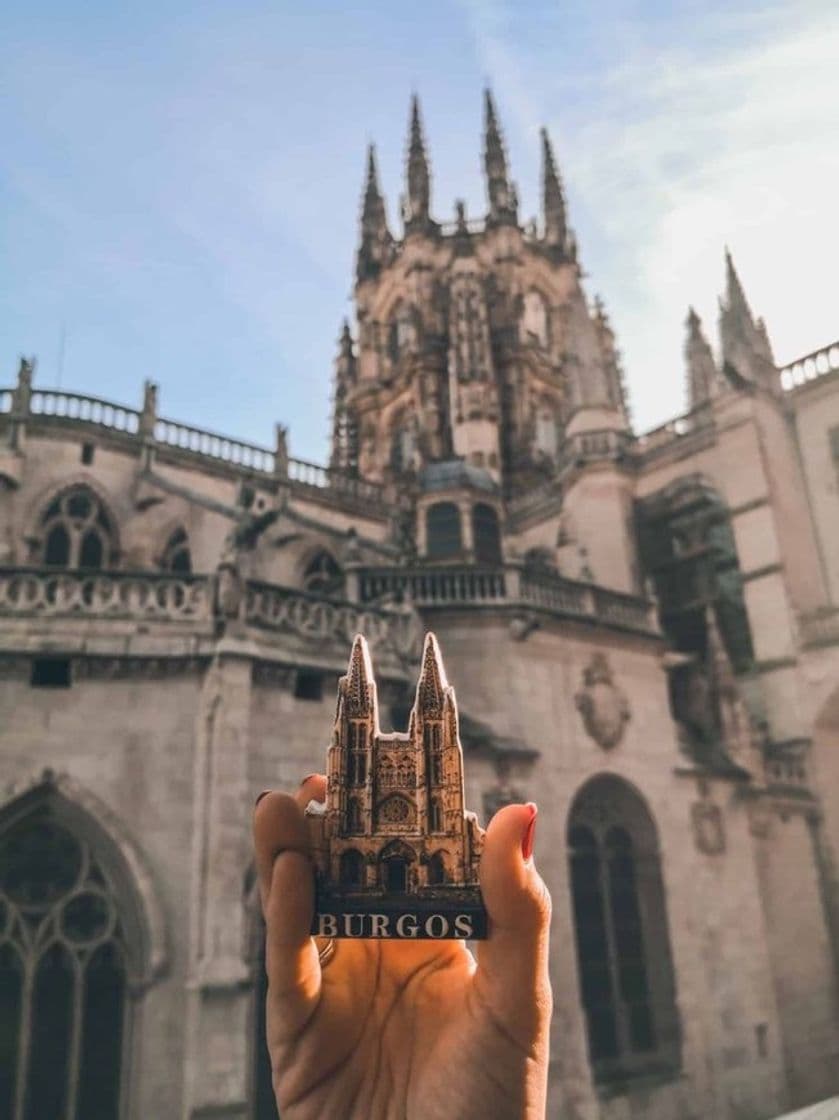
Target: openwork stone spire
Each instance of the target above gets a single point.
(417, 205)
(376, 241)
(553, 199)
(503, 203)
(746, 351)
(702, 374)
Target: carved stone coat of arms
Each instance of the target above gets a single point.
(602, 704)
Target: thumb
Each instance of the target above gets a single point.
(513, 961)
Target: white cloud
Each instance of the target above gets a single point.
(685, 147)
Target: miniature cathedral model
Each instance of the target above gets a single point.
(394, 841)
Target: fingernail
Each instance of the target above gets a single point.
(264, 792)
(308, 778)
(527, 839)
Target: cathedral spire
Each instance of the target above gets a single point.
(702, 375)
(553, 199)
(417, 205)
(376, 240)
(746, 351)
(503, 203)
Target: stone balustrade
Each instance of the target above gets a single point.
(511, 585)
(653, 442)
(820, 628)
(77, 410)
(328, 621)
(172, 433)
(58, 592)
(810, 367)
(55, 403)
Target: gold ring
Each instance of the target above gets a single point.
(326, 954)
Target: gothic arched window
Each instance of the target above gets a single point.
(176, 556)
(443, 535)
(401, 334)
(62, 976)
(620, 921)
(351, 870)
(323, 575)
(486, 534)
(77, 531)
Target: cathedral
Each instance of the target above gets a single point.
(643, 629)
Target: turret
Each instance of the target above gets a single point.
(615, 384)
(703, 377)
(376, 242)
(416, 206)
(344, 428)
(503, 202)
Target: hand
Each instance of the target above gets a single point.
(405, 1030)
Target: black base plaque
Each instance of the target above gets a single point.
(456, 915)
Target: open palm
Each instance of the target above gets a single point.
(405, 1030)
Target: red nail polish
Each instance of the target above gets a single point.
(527, 839)
(264, 792)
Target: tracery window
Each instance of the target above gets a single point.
(62, 977)
(397, 810)
(323, 575)
(77, 531)
(176, 556)
(443, 534)
(623, 947)
(402, 333)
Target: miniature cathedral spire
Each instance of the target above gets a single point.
(615, 383)
(418, 202)
(375, 236)
(553, 200)
(703, 377)
(432, 685)
(360, 687)
(503, 204)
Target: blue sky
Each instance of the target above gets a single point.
(180, 182)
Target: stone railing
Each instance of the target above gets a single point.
(426, 587)
(326, 621)
(138, 596)
(210, 445)
(508, 586)
(312, 475)
(325, 627)
(820, 628)
(25, 404)
(55, 403)
(810, 367)
(656, 440)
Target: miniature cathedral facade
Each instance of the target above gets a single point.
(395, 821)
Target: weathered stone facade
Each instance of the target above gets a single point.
(644, 632)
